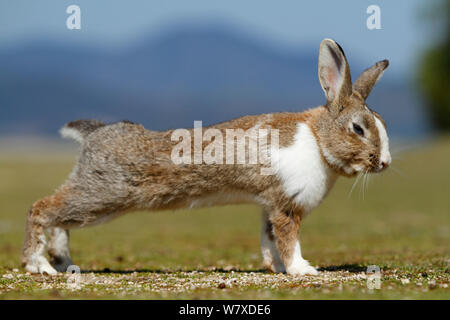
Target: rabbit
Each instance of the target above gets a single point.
(123, 167)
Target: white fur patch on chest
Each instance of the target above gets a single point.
(305, 177)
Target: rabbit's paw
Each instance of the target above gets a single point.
(301, 268)
(40, 265)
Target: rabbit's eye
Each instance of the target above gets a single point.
(358, 130)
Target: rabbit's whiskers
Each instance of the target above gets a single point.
(398, 171)
(355, 183)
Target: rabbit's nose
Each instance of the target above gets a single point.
(385, 161)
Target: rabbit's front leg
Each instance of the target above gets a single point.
(58, 249)
(285, 227)
(271, 258)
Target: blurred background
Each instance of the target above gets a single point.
(167, 63)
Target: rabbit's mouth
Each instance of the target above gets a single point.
(377, 168)
(369, 167)
(381, 167)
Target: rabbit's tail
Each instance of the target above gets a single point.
(80, 129)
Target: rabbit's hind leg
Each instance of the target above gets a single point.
(41, 216)
(72, 205)
(55, 213)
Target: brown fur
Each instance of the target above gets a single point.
(124, 166)
(285, 230)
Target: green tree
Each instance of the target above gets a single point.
(434, 73)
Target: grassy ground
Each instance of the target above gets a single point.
(400, 222)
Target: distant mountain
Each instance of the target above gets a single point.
(185, 75)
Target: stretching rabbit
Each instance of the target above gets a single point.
(123, 167)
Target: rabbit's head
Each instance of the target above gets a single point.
(352, 137)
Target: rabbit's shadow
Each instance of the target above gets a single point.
(352, 268)
(163, 271)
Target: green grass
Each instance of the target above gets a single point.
(400, 222)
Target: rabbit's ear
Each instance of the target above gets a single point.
(334, 73)
(367, 80)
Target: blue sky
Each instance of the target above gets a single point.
(288, 24)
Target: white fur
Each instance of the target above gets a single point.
(303, 173)
(60, 247)
(385, 155)
(270, 254)
(298, 265)
(60, 241)
(38, 262)
(71, 133)
(333, 161)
